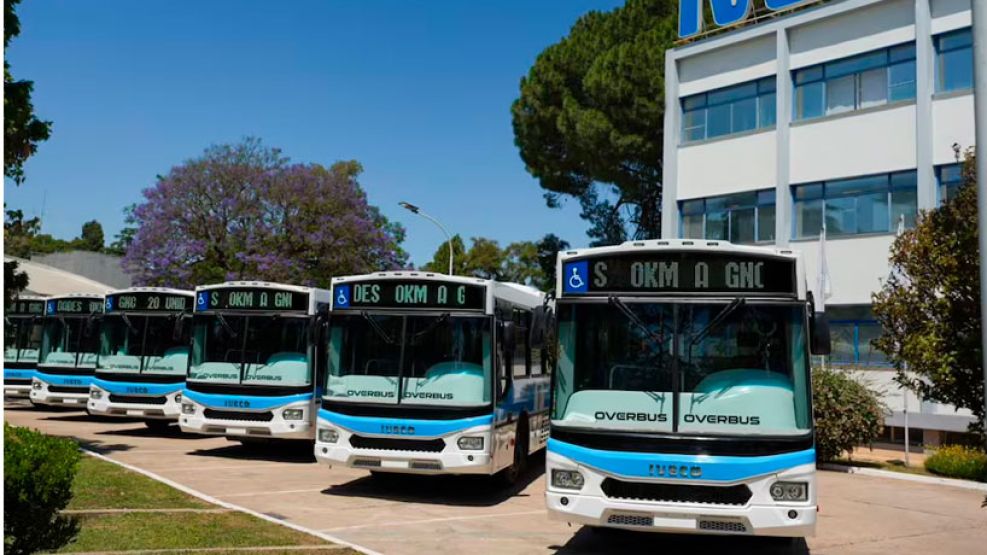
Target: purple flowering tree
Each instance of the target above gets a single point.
(245, 212)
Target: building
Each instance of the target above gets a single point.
(98, 266)
(48, 281)
(851, 112)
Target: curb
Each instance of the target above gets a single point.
(932, 480)
(221, 503)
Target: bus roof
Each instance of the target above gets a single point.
(259, 284)
(678, 245)
(167, 290)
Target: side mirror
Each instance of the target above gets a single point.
(179, 329)
(539, 321)
(509, 336)
(819, 343)
(89, 327)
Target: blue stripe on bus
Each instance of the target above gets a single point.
(424, 428)
(18, 374)
(714, 468)
(217, 400)
(63, 379)
(139, 388)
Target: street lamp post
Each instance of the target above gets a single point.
(416, 210)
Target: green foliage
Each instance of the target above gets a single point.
(929, 308)
(13, 282)
(520, 262)
(123, 239)
(847, 413)
(22, 131)
(440, 260)
(958, 461)
(37, 484)
(92, 237)
(23, 237)
(591, 111)
(548, 249)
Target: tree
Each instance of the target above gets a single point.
(91, 238)
(13, 282)
(588, 121)
(123, 239)
(519, 262)
(440, 260)
(244, 211)
(484, 259)
(22, 131)
(929, 307)
(548, 249)
(19, 235)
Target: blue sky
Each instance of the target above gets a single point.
(418, 91)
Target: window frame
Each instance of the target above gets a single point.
(804, 193)
(965, 33)
(763, 88)
(762, 198)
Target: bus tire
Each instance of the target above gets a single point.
(510, 475)
(158, 425)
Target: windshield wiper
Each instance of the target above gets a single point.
(377, 328)
(413, 340)
(716, 321)
(128, 322)
(226, 326)
(634, 319)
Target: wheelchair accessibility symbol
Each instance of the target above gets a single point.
(202, 301)
(342, 296)
(574, 277)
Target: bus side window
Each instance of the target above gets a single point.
(521, 357)
(503, 364)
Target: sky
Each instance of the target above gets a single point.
(419, 92)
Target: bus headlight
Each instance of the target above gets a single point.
(188, 408)
(35, 385)
(790, 491)
(178, 398)
(328, 435)
(293, 414)
(95, 394)
(567, 479)
(470, 443)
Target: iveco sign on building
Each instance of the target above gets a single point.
(852, 113)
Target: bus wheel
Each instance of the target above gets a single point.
(510, 475)
(158, 425)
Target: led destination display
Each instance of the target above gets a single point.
(148, 301)
(75, 305)
(409, 294)
(251, 298)
(680, 272)
(27, 307)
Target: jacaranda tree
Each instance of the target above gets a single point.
(245, 212)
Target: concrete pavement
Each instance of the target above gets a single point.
(859, 514)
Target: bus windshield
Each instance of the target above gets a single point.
(742, 367)
(436, 359)
(22, 339)
(262, 350)
(133, 344)
(67, 341)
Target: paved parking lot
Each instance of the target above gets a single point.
(859, 514)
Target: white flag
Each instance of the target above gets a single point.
(824, 286)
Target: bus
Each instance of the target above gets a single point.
(143, 355)
(69, 347)
(250, 377)
(434, 374)
(682, 396)
(21, 344)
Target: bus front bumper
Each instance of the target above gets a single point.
(423, 455)
(64, 391)
(165, 406)
(17, 383)
(269, 423)
(760, 516)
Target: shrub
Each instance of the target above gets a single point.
(847, 413)
(958, 461)
(37, 484)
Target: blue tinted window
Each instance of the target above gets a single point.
(739, 218)
(954, 61)
(735, 109)
(868, 204)
(950, 177)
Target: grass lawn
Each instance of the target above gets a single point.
(103, 485)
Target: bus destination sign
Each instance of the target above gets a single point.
(409, 294)
(251, 298)
(148, 301)
(74, 305)
(27, 307)
(679, 272)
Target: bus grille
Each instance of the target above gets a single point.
(631, 520)
(676, 493)
(395, 444)
(238, 415)
(68, 389)
(730, 526)
(137, 400)
(17, 381)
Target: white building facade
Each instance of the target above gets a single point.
(854, 113)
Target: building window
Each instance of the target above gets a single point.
(871, 204)
(950, 177)
(739, 218)
(735, 109)
(852, 330)
(862, 81)
(954, 60)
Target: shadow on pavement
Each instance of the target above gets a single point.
(300, 452)
(172, 431)
(101, 447)
(86, 417)
(607, 540)
(466, 491)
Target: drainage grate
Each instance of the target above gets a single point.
(631, 520)
(723, 526)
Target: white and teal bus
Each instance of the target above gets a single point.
(143, 355)
(253, 372)
(682, 398)
(21, 344)
(69, 348)
(433, 374)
